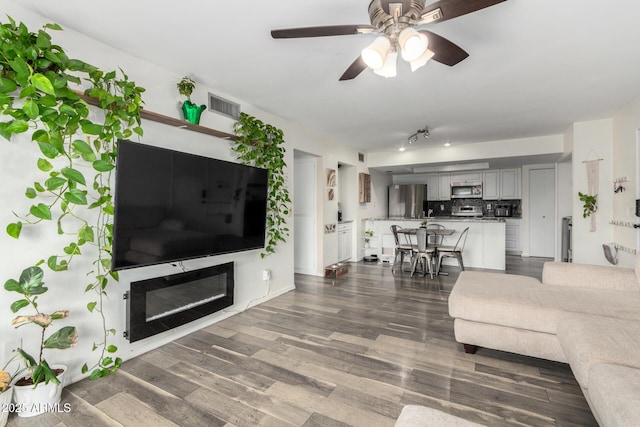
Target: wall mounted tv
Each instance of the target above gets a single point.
(171, 206)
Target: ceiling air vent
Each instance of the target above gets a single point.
(361, 157)
(224, 107)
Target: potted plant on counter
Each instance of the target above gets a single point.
(368, 234)
(40, 390)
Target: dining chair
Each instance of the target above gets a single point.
(424, 254)
(435, 240)
(453, 251)
(401, 248)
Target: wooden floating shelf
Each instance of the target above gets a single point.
(172, 121)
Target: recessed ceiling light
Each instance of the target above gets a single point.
(401, 149)
(447, 144)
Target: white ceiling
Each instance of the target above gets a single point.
(534, 66)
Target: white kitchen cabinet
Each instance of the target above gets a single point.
(501, 184)
(471, 176)
(433, 185)
(512, 236)
(491, 185)
(510, 184)
(439, 186)
(345, 238)
(444, 186)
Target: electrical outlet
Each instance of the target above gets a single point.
(266, 274)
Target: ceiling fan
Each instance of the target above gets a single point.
(394, 21)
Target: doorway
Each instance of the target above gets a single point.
(542, 212)
(305, 208)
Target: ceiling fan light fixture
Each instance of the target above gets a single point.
(375, 54)
(412, 44)
(420, 62)
(388, 69)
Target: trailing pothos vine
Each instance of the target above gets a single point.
(261, 144)
(77, 154)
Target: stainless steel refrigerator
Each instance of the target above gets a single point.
(407, 201)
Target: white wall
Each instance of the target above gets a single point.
(593, 139)
(615, 140)
(626, 128)
(564, 197)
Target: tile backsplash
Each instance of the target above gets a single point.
(443, 207)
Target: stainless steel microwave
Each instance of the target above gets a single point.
(466, 190)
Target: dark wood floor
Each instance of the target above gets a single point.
(352, 351)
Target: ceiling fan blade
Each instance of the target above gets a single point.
(354, 69)
(332, 30)
(453, 8)
(445, 51)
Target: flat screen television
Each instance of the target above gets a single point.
(172, 206)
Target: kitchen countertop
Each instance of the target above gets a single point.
(444, 218)
(485, 248)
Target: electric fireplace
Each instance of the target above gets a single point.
(162, 303)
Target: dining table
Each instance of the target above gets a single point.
(409, 232)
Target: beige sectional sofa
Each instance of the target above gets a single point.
(584, 315)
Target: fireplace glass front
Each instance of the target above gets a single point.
(162, 303)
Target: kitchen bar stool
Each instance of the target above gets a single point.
(435, 240)
(401, 249)
(424, 253)
(453, 251)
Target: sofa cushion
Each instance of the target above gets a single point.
(523, 302)
(589, 276)
(614, 394)
(589, 340)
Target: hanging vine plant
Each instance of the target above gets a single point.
(261, 144)
(77, 154)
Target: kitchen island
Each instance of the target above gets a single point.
(485, 247)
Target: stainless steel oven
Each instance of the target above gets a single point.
(466, 190)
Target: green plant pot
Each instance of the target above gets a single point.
(192, 112)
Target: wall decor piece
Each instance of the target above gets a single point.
(364, 188)
(330, 194)
(591, 198)
(331, 177)
(329, 228)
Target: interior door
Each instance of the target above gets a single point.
(542, 212)
(304, 217)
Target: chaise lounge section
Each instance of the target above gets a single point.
(584, 315)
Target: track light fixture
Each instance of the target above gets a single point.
(419, 135)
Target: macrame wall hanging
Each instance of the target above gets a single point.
(593, 178)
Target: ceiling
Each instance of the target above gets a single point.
(534, 67)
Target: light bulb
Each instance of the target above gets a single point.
(412, 43)
(421, 61)
(389, 67)
(375, 54)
